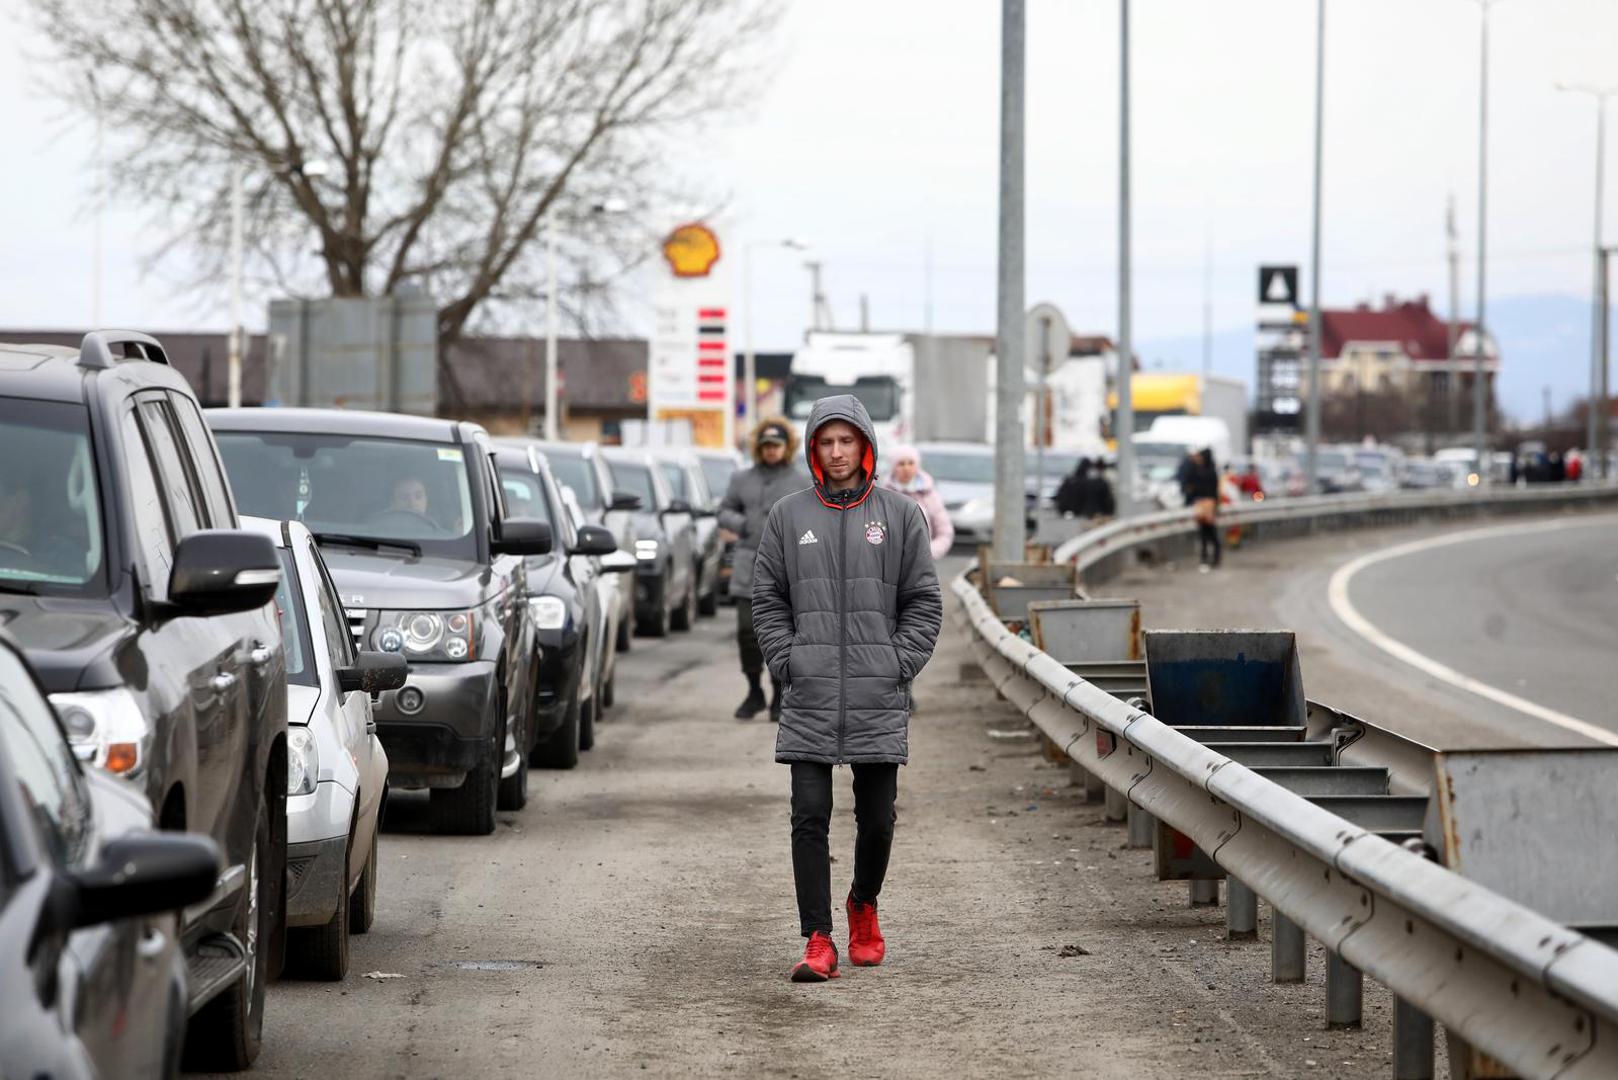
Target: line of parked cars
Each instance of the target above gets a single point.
(228, 637)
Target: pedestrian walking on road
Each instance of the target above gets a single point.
(847, 609)
(1202, 492)
(907, 478)
(747, 502)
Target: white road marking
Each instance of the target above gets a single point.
(1337, 594)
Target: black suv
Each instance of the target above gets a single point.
(149, 618)
(410, 518)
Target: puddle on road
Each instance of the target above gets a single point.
(496, 965)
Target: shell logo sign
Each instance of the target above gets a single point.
(691, 250)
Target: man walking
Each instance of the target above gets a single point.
(741, 515)
(846, 607)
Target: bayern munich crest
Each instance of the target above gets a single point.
(874, 533)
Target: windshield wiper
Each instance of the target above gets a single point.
(373, 543)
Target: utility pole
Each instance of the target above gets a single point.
(1010, 534)
(1480, 396)
(1207, 306)
(1599, 316)
(551, 396)
(1454, 388)
(1603, 392)
(233, 349)
(1312, 418)
(819, 307)
(1125, 488)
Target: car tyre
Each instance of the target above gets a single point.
(514, 788)
(685, 616)
(362, 903)
(561, 749)
(587, 721)
(625, 632)
(468, 810)
(322, 951)
(225, 1034)
(709, 603)
(656, 625)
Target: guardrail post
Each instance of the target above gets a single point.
(1117, 805)
(1241, 911)
(1141, 826)
(1204, 893)
(1286, 949)
(1412, 1042)
(1345, 993)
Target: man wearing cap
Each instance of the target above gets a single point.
(847, 609)
(741, 515)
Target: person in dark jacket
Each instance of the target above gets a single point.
(847, 609)
(1202, 492)
(748, 499)
(1074, 494)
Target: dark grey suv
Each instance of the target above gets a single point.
(410, 518)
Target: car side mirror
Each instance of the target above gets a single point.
(594, 540)
(374, 672)
(223, 571)
(676, 506)
(523, 536)
(143, 873)
(624, 500)
(618, 562)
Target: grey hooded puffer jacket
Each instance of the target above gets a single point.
(748, 500)
(846, 607)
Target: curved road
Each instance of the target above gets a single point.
(1527, 610)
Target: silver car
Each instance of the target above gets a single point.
(337, 771)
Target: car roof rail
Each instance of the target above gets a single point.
(96, 350)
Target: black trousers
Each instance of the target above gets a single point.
(1208, 542)
(752, 657)
(875, 789)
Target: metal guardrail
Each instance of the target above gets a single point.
(1538, 997)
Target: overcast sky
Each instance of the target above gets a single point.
(876, 139)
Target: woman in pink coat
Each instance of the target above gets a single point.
(906, 476)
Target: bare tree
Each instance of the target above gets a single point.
(449, 131)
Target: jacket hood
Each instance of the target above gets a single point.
(922, 484)
(775, 421)
(849, 409)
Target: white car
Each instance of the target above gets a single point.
(337, 771)
(609, 573)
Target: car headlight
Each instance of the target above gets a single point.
(426, 635)
(106, 728)
(645, 549)
(549, 612)
(303, 761)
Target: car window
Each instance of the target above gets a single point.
(152, 534)
(215, 490)
(51, 537)
(294, 625)
(718, 472)
(43, 763)
(525, 494)
(372, 487)
(676, 478)
(959, 468)
(334, 619)
(637, 480)
(578, 474)
(175, 481)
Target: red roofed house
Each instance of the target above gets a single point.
(1403, 349)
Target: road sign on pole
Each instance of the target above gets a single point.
(1046, 344)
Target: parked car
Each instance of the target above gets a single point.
(337, 771)
(581, 467)
(409, 517)
(1424, 474)
(664, 542)
(566, 609)
(718, 466)
(147, 613)
(964, 475)
(613, 574)
(92, 978)
(688, 483)
(1335, 471)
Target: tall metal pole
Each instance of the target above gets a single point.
(1009, 530)
(749, 361)
(551, 396)
(1125, 497)
(1603, 427)
(1312, 420)
(1454, 389)
(1598, 345)
(233, 393)
(1479, 391)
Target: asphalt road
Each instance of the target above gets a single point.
(1532, 613)
(637, 919)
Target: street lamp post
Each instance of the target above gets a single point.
(1312, 419)
(1009, 530)
(1125, 497)
(1598, 326)
(553, 404)
(1480, 398)
(749, 358)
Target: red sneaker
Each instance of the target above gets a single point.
(819, 961)
(865, 945)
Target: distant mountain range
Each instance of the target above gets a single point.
(1544, 341)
